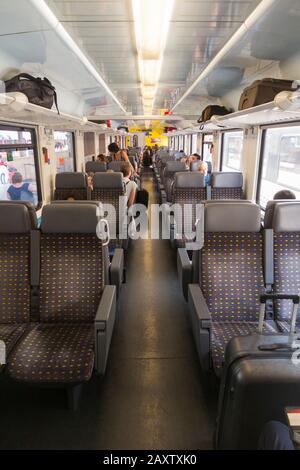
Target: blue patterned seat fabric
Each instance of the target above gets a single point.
(231, 281)
(287, 274)
(55, 354)
(61, 348)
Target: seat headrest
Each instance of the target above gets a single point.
(232, 217)
(31, 209)
(95, 167)
(71, 181)
(108, 180)
(175, 167)
(189, 180)
(81, 203)
(69, 218)
(227, 180)
(116, 166)
(287, 217)
(16, 218)
(270, 210)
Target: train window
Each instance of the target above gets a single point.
(280, 165)
(89, 144)
(207, 147)
(64, 151)
(194, 143)
(232, 151)
(18, 165)
(187, 145)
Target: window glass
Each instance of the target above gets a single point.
(281, 163)
(194, 143)
(207, 147)
(18, 176)
(187, 144)
(232, 150)
(64, 150)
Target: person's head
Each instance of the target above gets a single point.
(284, 194)
(203, 168)
(110, 171)
(113, 148)
(71, 199)
(101, 158)
(126, 170)
(196, 156)
(17, 178)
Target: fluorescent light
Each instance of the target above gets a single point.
(152, 21)
(49, 16)
(149, 71)
(148, 91)
(148, 102)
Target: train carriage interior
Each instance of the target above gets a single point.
(149, 226)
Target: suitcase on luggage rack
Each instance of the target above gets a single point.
(263, 91)
(259, 380)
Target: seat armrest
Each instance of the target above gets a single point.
(184, 270)
(116, 270)
(198, 303)
(107, 305)
(104, 327)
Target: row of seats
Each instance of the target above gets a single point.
(100, 167)
(107, 189)
(58, 294)
(223, 185)
(240, 261)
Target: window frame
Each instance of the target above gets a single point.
(73, 144)
(263, 131)
(33, 146)
(222, 147)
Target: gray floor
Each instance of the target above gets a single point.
(152, 396)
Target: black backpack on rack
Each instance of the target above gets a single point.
(39, 91)
(213, 110)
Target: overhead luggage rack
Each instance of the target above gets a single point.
(285, 108)
(15, 107)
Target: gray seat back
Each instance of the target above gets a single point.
(231, 261)
(95, 167)
(227, 185)
(72, 264)
(286, 227)
(109, 189)
(189, 191)
(170, 171)
(15, 257)
(116, 166)
(71, 185)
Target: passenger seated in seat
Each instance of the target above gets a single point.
(102, 158)
(90, 180)
(284, 194)
(130, 186)
(203, 168)
(71, 199)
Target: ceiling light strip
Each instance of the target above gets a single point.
(53, 21)
(152, 21)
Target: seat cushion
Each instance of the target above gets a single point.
(50, 353)
(223, 332)
(10, 334)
